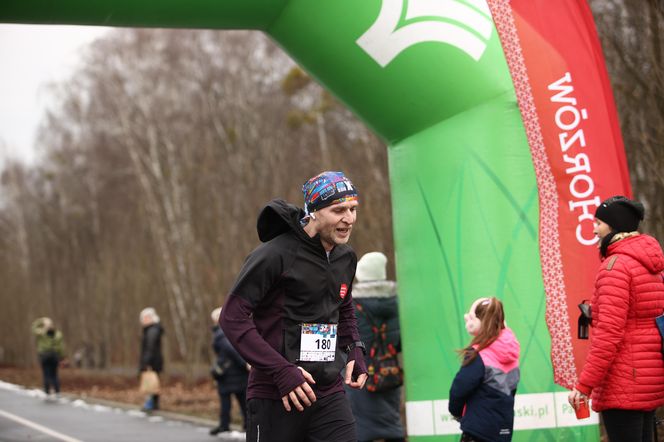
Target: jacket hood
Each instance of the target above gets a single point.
(643, 248)
(278, 217)
(505, 349)
(375, 289)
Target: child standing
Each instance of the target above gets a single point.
(482, 393)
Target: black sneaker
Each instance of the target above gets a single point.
(217, 430)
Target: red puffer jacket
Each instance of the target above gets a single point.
(624, 368)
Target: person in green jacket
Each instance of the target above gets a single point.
(51, 350)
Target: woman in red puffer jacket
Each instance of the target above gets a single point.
(624, 369)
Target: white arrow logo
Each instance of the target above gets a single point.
(466, 25)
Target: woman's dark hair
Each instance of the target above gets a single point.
(491, 313)
(604, 243)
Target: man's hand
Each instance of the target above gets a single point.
(348, 379)
(302, 394)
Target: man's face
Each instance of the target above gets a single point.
(601, 228)
(334, 223)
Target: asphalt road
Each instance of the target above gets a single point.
(26, 415)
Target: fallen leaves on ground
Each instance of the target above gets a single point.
(198, 398)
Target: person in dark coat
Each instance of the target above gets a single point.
(233, 377)
(377, 414)
(151, 357)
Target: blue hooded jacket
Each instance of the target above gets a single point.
(485, 388)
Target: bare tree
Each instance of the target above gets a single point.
(632, 35)
(161, 151)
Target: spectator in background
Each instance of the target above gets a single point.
(377, 414)
(624, 370)
(51, 350)
(230, 372)
(151, 357)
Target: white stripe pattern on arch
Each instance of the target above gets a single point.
(466, 25)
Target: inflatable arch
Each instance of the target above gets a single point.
(503, 138)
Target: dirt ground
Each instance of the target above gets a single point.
(198, 399)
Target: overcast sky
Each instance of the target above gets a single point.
(30, 57)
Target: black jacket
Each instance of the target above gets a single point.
(286, 281)
(151, 348)
(235, 375)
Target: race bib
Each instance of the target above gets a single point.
(318, 342)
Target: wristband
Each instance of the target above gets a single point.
(357, 344)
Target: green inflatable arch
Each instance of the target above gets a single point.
(494, 112)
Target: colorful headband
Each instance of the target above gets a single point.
(325, 189)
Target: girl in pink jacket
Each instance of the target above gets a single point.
(624, 369)
(482, 393)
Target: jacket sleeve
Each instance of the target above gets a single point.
(60, 345)
(260, 272)
(466, 381)
(231, 352)
(610, 308)
(216, 343)
(395, 325)
(348, 331)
